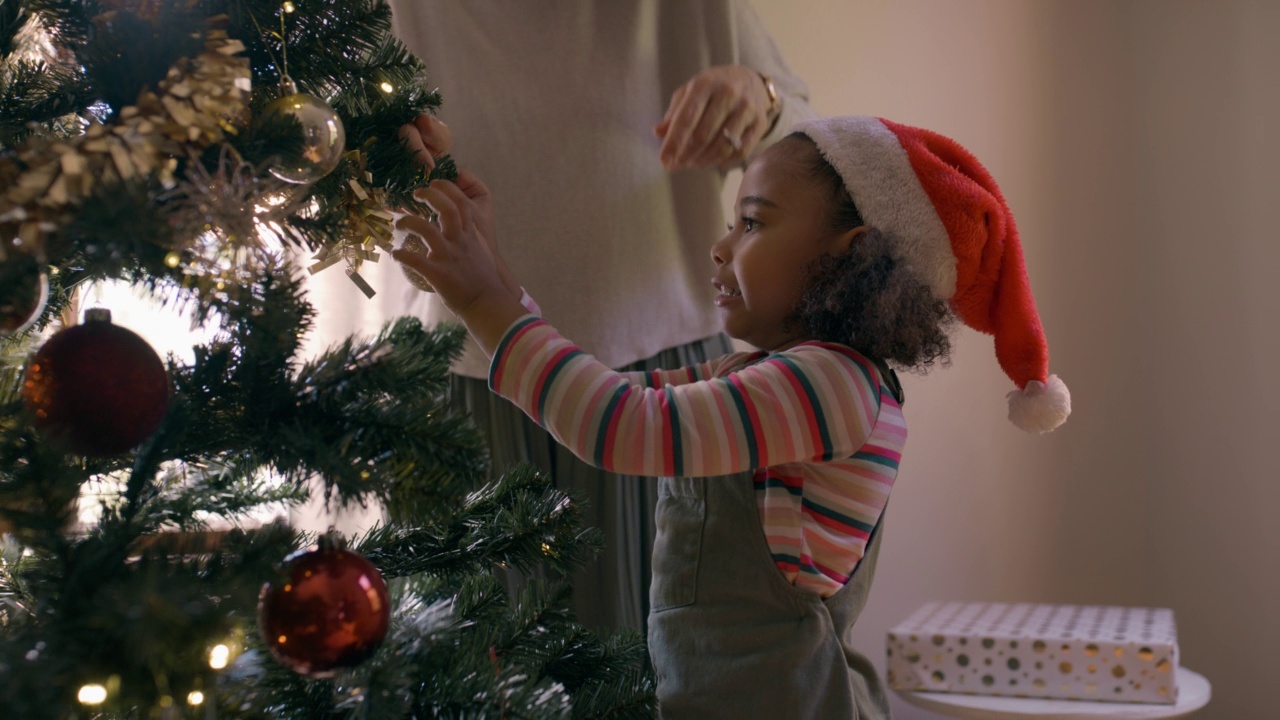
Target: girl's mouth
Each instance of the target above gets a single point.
(727, 294)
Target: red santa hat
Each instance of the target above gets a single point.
(937, 200)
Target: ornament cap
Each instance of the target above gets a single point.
(330, 541)
(97, 314)
(287, 86)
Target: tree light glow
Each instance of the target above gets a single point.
(92, 694)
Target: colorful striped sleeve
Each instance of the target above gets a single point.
(663, 378)
(807, 403)
(685, 375)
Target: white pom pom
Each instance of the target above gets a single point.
(1040, 406)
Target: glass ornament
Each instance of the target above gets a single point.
(323, 137)
(96, 389)
(327, 612)
(24, 288)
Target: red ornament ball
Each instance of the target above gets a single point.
(96, 389)
(24, 289)
(328, 612)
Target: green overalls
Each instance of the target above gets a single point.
(729, 636)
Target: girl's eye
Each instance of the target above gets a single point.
(749, 224)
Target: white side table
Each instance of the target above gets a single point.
(1193, 694)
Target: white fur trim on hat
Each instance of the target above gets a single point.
(953, 226)
(1040, 406)
(886, 190)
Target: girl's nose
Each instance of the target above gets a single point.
(720, 250)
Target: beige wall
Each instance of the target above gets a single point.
(1137, 143)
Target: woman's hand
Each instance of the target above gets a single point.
(428, 138)
(717, 117)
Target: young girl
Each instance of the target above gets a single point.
(857, 241)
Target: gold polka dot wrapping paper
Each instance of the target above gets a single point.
(1070, 652)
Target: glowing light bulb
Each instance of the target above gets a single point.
(92, 694)
(195, 697)
(219, 656)
(288, 7)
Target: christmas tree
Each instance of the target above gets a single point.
(198, 149)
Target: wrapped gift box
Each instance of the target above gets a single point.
(1077, 652)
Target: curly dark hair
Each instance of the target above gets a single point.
(869, 298)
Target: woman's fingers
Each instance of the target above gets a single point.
(413, 142)
(685, 113)
(753, 134)
(715, 117)
(427, 138)
(471, 186)
(435, 134)
(664, 125)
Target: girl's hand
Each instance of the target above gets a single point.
(717, 117)
(428, 138)
(481, 201)
(460, 263)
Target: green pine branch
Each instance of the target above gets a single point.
(38, 93)
(116, 77)
(518, 521)
(135, 599)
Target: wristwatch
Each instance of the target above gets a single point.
(775, 103)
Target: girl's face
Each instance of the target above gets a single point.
(783, 223)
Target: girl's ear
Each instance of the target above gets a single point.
(841, 243)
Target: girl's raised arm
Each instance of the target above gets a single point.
(812, 402)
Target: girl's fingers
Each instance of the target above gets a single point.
(415, 261)
(453, 221)
(412, 260)
(421, 227)
(459, 198)
(468, 213)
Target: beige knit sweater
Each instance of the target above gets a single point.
(552, 103)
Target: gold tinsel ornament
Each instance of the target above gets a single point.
(231, 219)
(413, 243)
(196, 105)
(368, 226)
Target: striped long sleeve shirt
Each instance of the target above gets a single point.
(815, 423)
